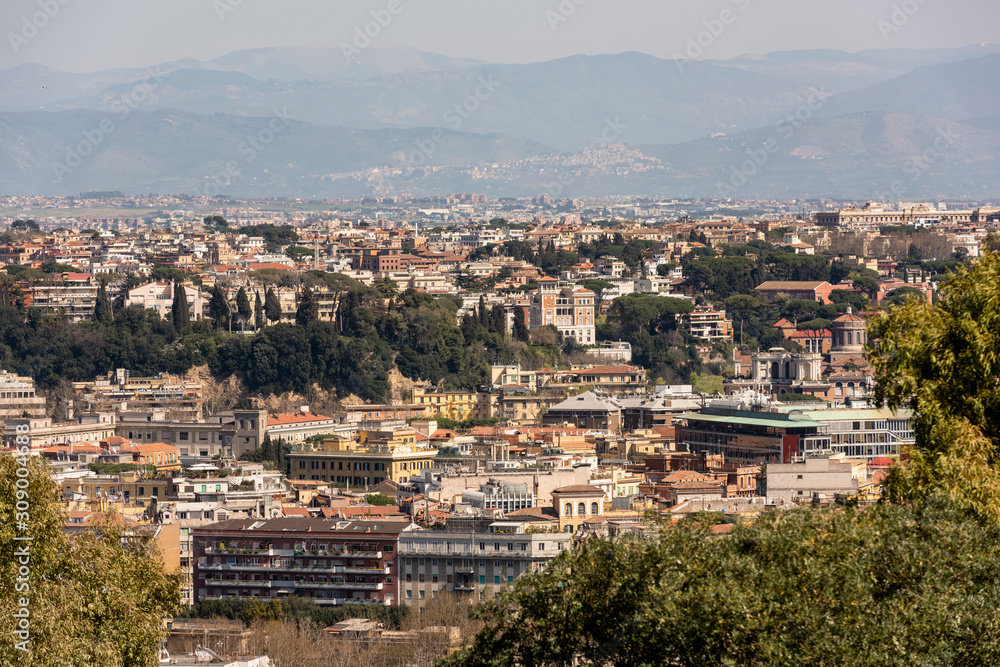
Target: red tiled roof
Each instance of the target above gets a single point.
(813, 333)
(154, 447)
(294, 418)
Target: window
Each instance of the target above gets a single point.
(568, 510)
(496, 579)
(594, 508)
(482, 578)
(581, 509)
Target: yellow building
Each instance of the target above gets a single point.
(379, 456)
(457, 405)
(576, 504)
(129, 488)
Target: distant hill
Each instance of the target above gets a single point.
(565, 103)
(867, 155)
(676, 129)
(182, 152)
(957, 91)
(841, 71)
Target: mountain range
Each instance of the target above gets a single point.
(308, 123)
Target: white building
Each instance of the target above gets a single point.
(160, 297)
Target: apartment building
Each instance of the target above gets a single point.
(18, 398)
(708, 323)
(366, 463)
(472, 557)
(332, 562)
(74, 298)
(297, 426)
(159, 296)
(457, 405)
(567, 307)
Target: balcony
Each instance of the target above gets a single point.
(239, 583)
(465, 588)
(340, 569)
(465, 569)
(351, 586)
(232, 551)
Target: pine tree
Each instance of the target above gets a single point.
(179, 309)
(258, 313)
(272, 307)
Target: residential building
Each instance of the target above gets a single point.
(613, 351)
(43, 432)
(375, 460)
(567, 307)
(817, 290)
(828, 475)
(74, 297)
(297, 426)
(18, 398)
(588, 410)
(164, 457)
(159, 296)
(577, 504)
(457, 405)
(472, 557)
(708, 323)
(332, 562)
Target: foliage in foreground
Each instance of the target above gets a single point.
(92, 601)
(890, 585)
(943, 362)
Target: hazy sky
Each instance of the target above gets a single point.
(90, 35)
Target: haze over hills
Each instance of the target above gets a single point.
(841, 71)
(511, 129)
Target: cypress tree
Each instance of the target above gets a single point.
(179, 310)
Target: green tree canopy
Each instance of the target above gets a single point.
(889, 586)
(943, 362)
(95, 598)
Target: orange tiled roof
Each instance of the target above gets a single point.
(294, 418)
